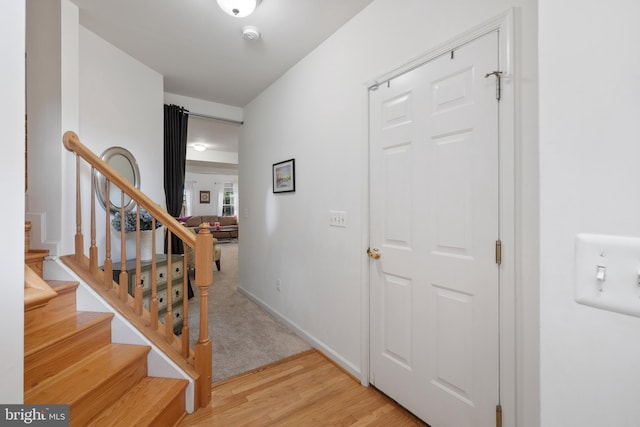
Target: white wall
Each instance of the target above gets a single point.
(12, 109)
(52, 107)
(208, 182)
(317, 114)
(121, 104)
(212, 156)
(79, 82)
(589, 182)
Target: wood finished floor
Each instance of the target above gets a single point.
(303, 390)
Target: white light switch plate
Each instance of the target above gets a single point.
(617, 259)
(338, 218)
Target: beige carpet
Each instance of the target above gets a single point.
(244, 336)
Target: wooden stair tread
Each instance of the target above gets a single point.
(35, 254)
(144, 403)
(34, 258)
(62, 286)
(63, 305)
(36, 297)
(93, 372)
(41, 337)
(37, 292)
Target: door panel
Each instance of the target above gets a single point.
(434, 217)
(397, 320)
(454, 358)
(451, 180)
(396, 166)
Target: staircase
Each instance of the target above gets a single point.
(69, 358)
(68, 355)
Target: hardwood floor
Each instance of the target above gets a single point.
(303, 390)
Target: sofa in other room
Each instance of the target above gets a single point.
(228, 225)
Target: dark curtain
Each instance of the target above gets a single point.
(175, 155)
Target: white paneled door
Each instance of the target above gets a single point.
(434, 223)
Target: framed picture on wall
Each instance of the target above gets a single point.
(284, 176)
(205, 197)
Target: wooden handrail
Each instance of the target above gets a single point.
(73, 144)
(118, 293)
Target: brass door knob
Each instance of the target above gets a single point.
(374, 253)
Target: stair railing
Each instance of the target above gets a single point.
(196, 362)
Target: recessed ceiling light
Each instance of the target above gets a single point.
(199, 147)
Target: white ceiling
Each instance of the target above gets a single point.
(201, 53)
(200, 50)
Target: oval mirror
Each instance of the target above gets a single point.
(123, 162)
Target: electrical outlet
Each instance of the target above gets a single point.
(338, 218)
(278, 283)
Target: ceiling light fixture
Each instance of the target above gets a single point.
(238, 8)
(199, 147)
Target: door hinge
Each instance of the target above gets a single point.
(498, 251)
(498, 75)
(498, 416)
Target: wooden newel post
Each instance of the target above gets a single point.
(204, 278)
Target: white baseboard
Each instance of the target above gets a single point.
(313, 341)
